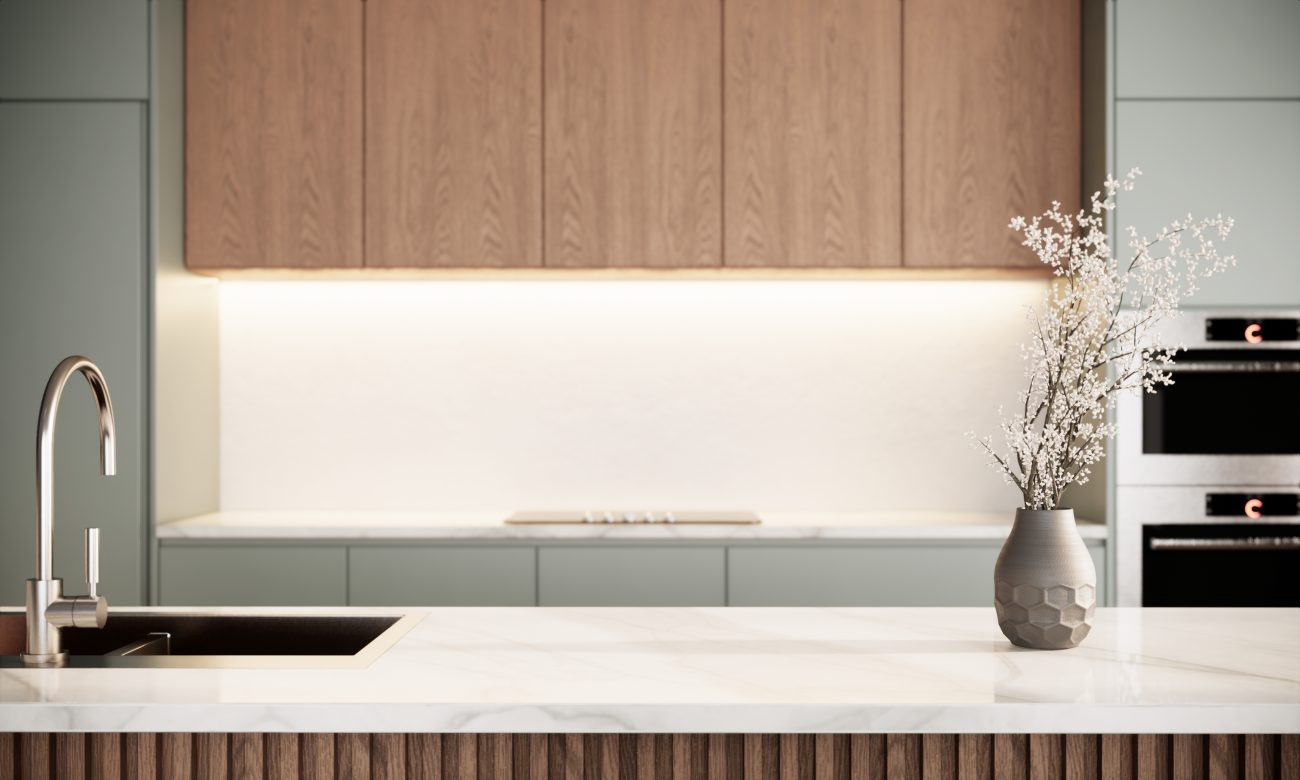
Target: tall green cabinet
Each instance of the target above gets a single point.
(74, 259)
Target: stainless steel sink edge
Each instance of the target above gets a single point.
(377, 647)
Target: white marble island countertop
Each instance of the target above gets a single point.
(490, 525)
(720, 670)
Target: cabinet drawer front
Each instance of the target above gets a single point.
(1207, 49)
(442, 576)
(878, 576)
(632, 577)
(269, 576)
(74, 49)
(1253, 177)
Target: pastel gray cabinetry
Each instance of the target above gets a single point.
(632, 576)
(253, 575)
(877, 575)
(442, 576)
(72, 254)
(74, 49)
(1207, 48)
(1238, 158)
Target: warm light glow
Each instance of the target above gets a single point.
(1252, 333)
(1252, 508)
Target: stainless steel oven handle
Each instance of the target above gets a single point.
(1260, 543)
(1234, 367)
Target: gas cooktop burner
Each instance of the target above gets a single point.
(604, 517)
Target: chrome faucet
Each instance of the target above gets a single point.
(48, 610)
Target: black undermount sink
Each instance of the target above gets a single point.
(194, 639)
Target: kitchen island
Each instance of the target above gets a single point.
(849, 675)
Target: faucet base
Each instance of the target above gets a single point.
(44, 660)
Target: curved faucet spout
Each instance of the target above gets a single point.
(45, 449)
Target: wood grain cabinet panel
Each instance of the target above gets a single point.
(633, 133)
(813, 148)
(273, 167)
(453, 133)
(991, 125)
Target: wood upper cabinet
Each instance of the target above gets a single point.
(453, 133)
(991, 125)
(633, 133)
(813, 151)
(273, 164)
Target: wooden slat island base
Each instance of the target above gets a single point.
(650, 756)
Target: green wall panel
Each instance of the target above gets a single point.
(74, 49)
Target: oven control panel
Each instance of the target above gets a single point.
(1252, 505)
(1252, 331)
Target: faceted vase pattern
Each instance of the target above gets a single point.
(1044, 583)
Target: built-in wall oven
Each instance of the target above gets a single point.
(1208, 469)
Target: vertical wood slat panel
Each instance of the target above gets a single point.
(34, 756)
(1010, 757)
(1044, 756)
(424, 756)
(1224, 751)
(797, 756)
(352, 756)
(1289, 756)
(69, 756)
(1082, 757)
(1187, 757)
(1153, 756)
(316, 756)
(105, 756)
(531, 756)
(1260, 752)
(495, 755)
(210, 753)
(8, 755)
(175, 756)
(140, 756)
(939, 757)
(281, 757)
(247, 757)
(903, 756)
(762, 756)
(975, 757)
(1118, 756)
(387, 756)
(459, 755)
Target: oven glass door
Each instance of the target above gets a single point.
(1226, 402)
(1238, 565)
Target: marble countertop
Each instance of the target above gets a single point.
(720, 670)
(491, 525)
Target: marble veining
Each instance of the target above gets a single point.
(491, 525)
(721, 670)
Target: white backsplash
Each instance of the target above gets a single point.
(765, 395)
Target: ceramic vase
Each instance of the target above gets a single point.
(1044, 583)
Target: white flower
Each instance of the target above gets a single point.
(1083, 328)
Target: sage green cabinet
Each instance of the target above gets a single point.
(886, 574)
(1239, 158)
(73, 255)
(442, 576)
(1207, 49)
(632, 576)
(253, 575)
(74, 49)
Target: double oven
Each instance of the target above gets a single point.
(1207, 470)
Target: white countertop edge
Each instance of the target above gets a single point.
(1004, 718)
(326, 526)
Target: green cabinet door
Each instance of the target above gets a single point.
(1237, 158)
(1207, 49)
(879, 575)
(72, 281)
(641, 576)
(443, 576)
(74, 49)
(253, 575)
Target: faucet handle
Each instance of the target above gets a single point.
(92, 562)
